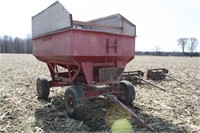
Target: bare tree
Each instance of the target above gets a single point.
(15, 45)
(10, 45)
(157, 48)
(193, 45)
(18, 45)
(28, 43)
(1, 45)
(5, 43)
(182, 42)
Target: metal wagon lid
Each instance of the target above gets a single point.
(56, 17)
(52, 19)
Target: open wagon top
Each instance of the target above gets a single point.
(56, 18)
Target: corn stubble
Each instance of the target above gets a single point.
(176, 110)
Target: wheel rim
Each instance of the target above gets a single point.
(70, 103)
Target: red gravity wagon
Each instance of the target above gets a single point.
(88, 57)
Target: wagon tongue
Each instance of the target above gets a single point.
(133, 116)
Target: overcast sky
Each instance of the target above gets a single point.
(159, 22)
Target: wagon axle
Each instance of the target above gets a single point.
(77, 96)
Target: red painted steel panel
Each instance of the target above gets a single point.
(57, 44)
(84, 46)
(88, 43)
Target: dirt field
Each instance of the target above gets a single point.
(176, 110)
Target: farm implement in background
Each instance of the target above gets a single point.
(159, 74)
(136, 77)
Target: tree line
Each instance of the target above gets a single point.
(189, 43)
(160, 53)
(24, 45)
(9, 44)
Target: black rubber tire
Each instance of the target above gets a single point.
(128, 95)
(42, 87)
(74, 100)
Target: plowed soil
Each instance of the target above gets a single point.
(176, 110)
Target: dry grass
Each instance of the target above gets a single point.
(176, 110)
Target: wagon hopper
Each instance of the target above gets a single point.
(89, 57)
